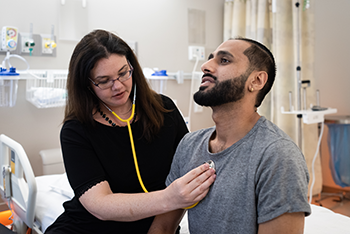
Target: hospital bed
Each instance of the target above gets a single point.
(37, 201)
(34, 201)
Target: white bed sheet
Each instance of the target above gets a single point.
(325, 221)
(54, 190)
(321, 221)
(49, 200)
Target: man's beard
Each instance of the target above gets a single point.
(223, 92)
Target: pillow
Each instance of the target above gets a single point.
(62, 186)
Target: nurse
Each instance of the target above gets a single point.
(98, 156)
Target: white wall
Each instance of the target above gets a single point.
(158, 26)
(332, 53)
(332, 61)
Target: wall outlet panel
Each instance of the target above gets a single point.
(196, 51)
(47, 51)
(25, 37)
(3, 40)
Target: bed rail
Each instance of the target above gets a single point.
(17, 182)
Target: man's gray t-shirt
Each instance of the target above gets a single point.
(259, 178)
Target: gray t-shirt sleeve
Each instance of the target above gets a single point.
(281, 181)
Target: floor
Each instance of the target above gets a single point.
(335, 200)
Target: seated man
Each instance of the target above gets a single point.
(262, 177)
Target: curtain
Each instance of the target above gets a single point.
(288, 31)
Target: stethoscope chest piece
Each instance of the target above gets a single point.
(211, 164)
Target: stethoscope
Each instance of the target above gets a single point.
(210, 162)
(130, 136)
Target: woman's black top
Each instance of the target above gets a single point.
(103, 153)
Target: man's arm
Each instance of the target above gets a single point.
(288, 223)
(166, 223)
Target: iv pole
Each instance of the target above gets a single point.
(298, 70)
(316, 113)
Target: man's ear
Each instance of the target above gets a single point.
(259, 80)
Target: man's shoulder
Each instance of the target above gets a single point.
(269, 136)
(269, 128)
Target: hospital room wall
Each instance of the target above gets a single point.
(332, 59)
(332, 54)
(158, 26)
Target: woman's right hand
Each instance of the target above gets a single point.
(192, 187)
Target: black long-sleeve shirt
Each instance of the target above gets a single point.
(103, 153)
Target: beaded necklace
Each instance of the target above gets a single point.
(109, 120)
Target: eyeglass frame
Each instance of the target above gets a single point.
(130, 71)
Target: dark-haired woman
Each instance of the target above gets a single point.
(96, 144)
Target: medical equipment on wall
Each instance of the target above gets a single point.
(28, 42)
(9, 38)
(8, 77)
(48, 42)
(157, 79)
(8, 87)
(18, 43)
(43, 90)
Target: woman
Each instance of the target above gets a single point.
(97, 151)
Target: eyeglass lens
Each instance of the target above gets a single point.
(123, 77)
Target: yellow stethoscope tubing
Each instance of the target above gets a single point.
(133, 145)
(131, 137)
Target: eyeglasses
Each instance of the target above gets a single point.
(106, 84)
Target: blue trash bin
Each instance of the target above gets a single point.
(339, 146)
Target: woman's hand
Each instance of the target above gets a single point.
(190, 188)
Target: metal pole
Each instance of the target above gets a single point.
(298, 70)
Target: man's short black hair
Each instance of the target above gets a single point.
(261, 59)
